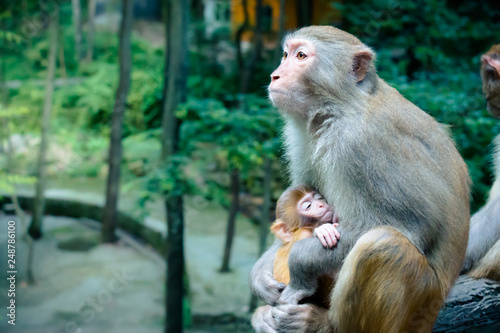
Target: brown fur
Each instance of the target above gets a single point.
(288, 217)
(383, 269)
(281, 270)
(489, 266)
(286, 207)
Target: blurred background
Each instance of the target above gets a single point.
(140, 159)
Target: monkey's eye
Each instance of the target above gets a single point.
(306, 205)
(301, 55)
(318, 197)
(285, 55)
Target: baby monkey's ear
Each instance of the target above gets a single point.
(280, 230)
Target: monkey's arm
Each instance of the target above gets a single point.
(480, 241)
(262, 281)
(308, 261)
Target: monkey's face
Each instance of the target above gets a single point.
(288, 89)
(313, 208)
(490, 74)
(320, 67)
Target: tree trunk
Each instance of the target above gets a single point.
(9, 152)
(231, 221)
(115, 146)
(239, 34)
(35, 229)
(281, 30)
(248, 69)
(264, 221)
(266, 206)
(304, 12)
(30, 277)
(471, 304)
(175, 92)
(62, 58)
(77, 22)
(4, 92)
(91, 30)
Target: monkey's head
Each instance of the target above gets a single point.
(490, 74)
(300, 207)
(320, 63)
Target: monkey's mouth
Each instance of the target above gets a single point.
(329, 216)
(275, 91)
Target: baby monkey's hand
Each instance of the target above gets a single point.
(327, 234)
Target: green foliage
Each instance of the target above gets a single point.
(90, 103)
(429, 50)
(86, 153)
(8, 180)
(218, 140)
(237, 135)
(430, 33)
(461, 105)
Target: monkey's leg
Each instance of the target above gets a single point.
(385, 285)
(489, 266)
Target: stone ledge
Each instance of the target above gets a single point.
(76, 209)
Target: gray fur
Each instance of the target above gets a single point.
(485, 224)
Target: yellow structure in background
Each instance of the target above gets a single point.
(319, 12)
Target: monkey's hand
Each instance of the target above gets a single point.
(262, 281)
(263, 320)
(267, 288)
(304, 318)
(294, 296)
(327, 234)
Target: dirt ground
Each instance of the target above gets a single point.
(84, 286)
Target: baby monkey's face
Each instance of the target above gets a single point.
(313, 209)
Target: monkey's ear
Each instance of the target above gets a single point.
(281, 231)
(492, 62)
(361, 63)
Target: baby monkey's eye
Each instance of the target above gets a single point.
(306, 205)
(301, 55)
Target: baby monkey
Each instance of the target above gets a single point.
(301, 212)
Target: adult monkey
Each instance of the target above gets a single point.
(482, 259)
(399, 186)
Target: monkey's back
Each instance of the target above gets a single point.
(397, 166)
